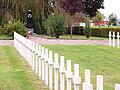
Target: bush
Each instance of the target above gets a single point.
(87, 31)
(0, 30)
(114, 24)
(55, 25)
(9, 28)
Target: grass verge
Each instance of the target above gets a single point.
(4, 37)
(75, 37)
(101, 60)
(15, 73)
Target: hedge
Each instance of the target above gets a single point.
(97, 32)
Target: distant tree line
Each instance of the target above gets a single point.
(11, 10)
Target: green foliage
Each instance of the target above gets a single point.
(55, 25)
(87, 31)
(4, 37)
(114, 23)
(0, 30)
(113, 18)
(103, 32)
(99, 16)
(96, 31)
(17, 26)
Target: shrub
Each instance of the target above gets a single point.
(17, 26)
(0, 30)
(114, 24)
(87, 31)
(55, 25)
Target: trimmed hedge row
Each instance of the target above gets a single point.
(97, 32)
(103, 32)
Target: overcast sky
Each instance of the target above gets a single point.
(111, 6)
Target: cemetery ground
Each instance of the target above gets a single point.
(100, 59)
(75, 37)
(4, 37)
(105, 27)
(15, 73)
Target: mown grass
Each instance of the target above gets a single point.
(76, 37)
(105, 27)
(4, 37)
(15, 73)
(101, 60)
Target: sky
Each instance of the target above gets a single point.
(111, 6)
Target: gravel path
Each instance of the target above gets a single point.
(43, 41)
(6, 42)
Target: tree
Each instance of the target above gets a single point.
(55, 25)
(99, 16)
(71, 7)
(11, 10)
(112, 18)
(89, 7)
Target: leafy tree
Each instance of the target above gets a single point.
(55, 25)
(89, 7)
(17, 10)
(112, 18)
(71, 7)
(99, 16)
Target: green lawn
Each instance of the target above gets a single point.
(105, 27)
(101, 60)
(4, 37)
(15, 73)
(77, 37)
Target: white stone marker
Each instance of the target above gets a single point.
(113, 39)
(46, 67)
(33, 60)
(50, 70)
(99, 82)
(56, 67)
(36, 53)
(69, 75)
(43, 67)
(62, 73)
(87, 76)
(110, 41)
(39, 54)
(76, 78)
(87, 84)
(117, 86)
(118, 40)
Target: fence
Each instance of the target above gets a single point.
(41, 61)
(114, 40)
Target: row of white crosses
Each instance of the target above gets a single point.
(41, 61)
(112, 40)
